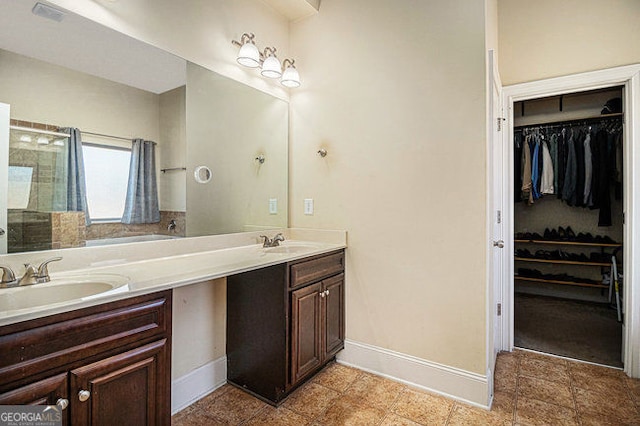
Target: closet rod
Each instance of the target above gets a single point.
(106, 136)
(573, 121)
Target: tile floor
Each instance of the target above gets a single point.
(531, 389)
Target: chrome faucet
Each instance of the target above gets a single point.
(272, 242)
(172, 225)
(32, 275)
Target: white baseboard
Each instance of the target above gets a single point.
(200, 382)
(462, 385)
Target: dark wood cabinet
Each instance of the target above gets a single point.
(104, 363)
(284, 323)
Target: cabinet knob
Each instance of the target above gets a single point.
(83, 395)
(322, 294)
(327, 292)
(62, 403)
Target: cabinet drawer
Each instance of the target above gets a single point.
(51, 343)
(316, 269)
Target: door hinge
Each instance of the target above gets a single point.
(499, 216)
(499, 309)
(499, 121)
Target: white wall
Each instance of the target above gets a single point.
(50, 94)
(549, 38)
(173, 150)
(395, 91)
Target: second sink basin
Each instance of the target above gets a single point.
(61, 290)
(292, 248)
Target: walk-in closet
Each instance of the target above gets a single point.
(568, 223)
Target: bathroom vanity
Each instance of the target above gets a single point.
(284, 323)
(98, 364)
(99, 356)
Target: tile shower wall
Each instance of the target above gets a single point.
(98, 231)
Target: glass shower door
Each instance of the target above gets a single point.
(4, 174)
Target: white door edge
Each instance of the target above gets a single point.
(629, 77)
(4, 174)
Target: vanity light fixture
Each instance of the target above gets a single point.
(42, 140)
(250, 56)
(271, 67)
(26, 138)
(59, 142)
(290, 76)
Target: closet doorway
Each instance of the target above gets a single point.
(568, 225)
(627, 80)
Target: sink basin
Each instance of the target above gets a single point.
(292, 248)
(62, 289)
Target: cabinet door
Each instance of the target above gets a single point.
(306, 354)
(128, 388)
(333, 313)
(43, 392)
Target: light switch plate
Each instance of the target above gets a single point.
(308, 206)
(273, 206)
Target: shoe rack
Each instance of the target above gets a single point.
(562, 257)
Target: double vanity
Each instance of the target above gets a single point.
(96, 340)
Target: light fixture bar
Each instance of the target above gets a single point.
(250, 56)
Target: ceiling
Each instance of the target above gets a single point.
(86, 46)
(294, 10)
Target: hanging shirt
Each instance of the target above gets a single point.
(569, 188)
(526, 171)
(535, 171)
(546, 184)
(588, 171)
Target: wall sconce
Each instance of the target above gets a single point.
(250, 56)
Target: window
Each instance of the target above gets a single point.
(106, 174)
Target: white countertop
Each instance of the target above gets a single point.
(164, 267)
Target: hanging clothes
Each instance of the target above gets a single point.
(535, 169)
(526, 171)
(546, 181)
(569, 188)
(561, 162)
(579, 147)
(588, 170)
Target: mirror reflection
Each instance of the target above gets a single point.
(145, 119)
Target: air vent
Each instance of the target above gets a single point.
(48, 12)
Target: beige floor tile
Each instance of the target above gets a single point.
(395, 420)
(194, 418)
(422, 407)
(507, 361)
(534, 412)
(374, 391)
(633, 386)
(337, 377)
(545, 390)
(594, 420)
(347, 412)
(594, 370)
(471, 416)
(203, 402)
(550, 369)
(603, 383)
(506, 381)
(504, 404)
(606, 404)
(271, 416)
(311, 400)
(233, 406)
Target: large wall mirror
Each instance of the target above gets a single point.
(188, 122)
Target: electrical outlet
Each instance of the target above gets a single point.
(308, 206)
(273, 206)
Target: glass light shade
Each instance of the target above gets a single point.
(42, 140)
(290, 77)
(271, 67)
(249, 56)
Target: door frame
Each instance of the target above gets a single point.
(628, 77)
(4, 175)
